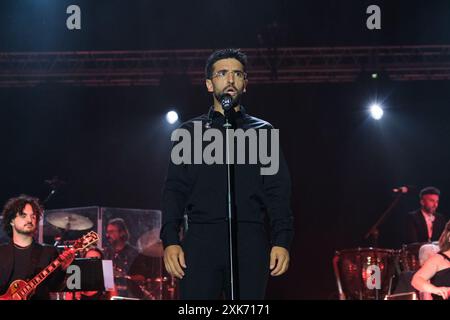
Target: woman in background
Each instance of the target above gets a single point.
(434, 276)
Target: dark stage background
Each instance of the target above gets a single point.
(111, 145)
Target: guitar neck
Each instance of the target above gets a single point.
(82, 243)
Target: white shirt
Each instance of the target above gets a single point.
(429, 219)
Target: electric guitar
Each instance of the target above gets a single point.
(22, 290)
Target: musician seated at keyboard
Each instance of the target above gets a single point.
(425, 224)
(23, 258)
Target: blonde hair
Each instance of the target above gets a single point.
(427, 251)
(444, 242)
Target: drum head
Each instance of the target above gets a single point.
(409, 256)
(365, 273)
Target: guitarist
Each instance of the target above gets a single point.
(22, 258)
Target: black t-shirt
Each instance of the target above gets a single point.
(27, 263)
(122, 260)
(22, 262)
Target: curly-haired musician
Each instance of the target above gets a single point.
(22, 258)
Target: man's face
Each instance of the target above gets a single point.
(430, 203)
(228, 77)
(113, 234)
(25, 222)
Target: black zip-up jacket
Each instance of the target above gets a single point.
(200, 190)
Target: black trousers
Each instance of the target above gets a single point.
(206, 251)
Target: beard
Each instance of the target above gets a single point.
(429, 210)
(25, 230)
(113, 242)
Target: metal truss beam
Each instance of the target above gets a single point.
(266, 66)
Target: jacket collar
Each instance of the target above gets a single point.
(215, 117)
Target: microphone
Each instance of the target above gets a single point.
(226, 101)
(403, 189)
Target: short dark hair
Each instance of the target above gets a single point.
(429, 190)
(96, 249)
(224, 54)
(15, 205)
(120, 223)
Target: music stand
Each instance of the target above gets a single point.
(96, 275)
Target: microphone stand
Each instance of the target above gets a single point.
(50, 195)
(374, 232)
(231, 211)
(54, 184)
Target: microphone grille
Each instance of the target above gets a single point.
(226, 101)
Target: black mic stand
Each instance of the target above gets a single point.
(54, 184)
(231, 207)
(50, 195)
(374, 232)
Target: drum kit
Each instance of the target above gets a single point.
(153, 286)
(69, 221)
(370, 273)
(156, 287)
(150, 245)
(159, 288)
(63, 226)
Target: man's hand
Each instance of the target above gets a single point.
(279, 261)
(174, 260)
(67, 257)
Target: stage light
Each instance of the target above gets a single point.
(172, 117)
(376, 111)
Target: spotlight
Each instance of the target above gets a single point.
(172, 117)
(376, 111)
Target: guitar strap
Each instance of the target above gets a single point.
(10, 262)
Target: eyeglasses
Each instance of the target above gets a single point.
(222, 74)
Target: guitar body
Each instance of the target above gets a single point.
(12, 292)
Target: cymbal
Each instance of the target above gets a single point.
(69, 221)
(149, 244)
(155, 250)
